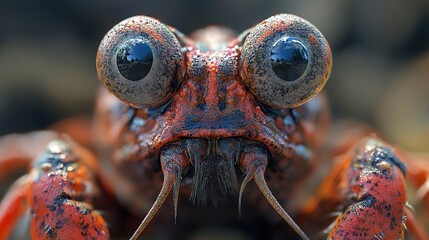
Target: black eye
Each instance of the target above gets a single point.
(289, 58)
(285, 61)
(140, 62)
(134, 59)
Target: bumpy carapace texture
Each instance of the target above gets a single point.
(209, 116)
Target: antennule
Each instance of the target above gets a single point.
(176, 188)
(172, 163)
(262, 185)
(163, 194)
(243, 185)
(254, 160)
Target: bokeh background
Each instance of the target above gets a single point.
(381, 55)
(380, 47)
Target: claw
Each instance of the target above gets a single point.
(372, 186)
(12, 206)
(59, 192)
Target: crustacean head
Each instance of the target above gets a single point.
(213, 99)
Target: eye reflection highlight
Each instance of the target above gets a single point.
(289, 58)
(134, 59)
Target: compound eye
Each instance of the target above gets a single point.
(289, 58)
(139, 61)
(285, 61)
(134, 59)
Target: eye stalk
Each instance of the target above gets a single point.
(285, 61)
(139, 62)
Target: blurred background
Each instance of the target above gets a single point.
(380, 48)
(381, 55)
